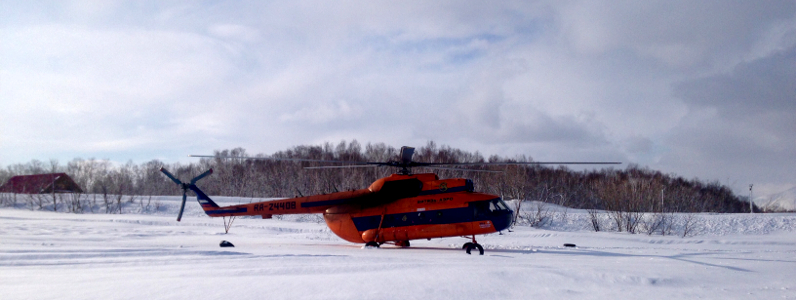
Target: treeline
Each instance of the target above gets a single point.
(631, 189)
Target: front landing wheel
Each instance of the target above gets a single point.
(472, 246)
(371, 245)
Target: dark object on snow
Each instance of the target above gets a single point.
(569, 245)
(226, 244)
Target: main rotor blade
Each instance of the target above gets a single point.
(406, 162)
(276, 158)
(182, 207)
(461, 169)
(344, 167)
(195, 179)
(421, 164)
(170, 176)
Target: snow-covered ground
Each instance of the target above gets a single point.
(46, 255)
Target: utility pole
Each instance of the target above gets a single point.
(751, 210)
(55, 203)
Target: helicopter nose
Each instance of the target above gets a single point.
(502, 220)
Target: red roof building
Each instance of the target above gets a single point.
(41, 184)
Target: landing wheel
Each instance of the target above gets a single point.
(372, 245)
(402, 244)
(472, 246)
(468, 244)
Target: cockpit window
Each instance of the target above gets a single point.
(486, 207)
(501, 205)
(497, 204)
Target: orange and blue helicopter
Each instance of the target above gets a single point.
(393, 209)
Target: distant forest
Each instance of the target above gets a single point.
(630, 188)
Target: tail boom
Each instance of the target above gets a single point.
(212, 209)
(300, 205)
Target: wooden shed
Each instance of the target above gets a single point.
(41, 184)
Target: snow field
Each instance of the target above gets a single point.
(46, 255)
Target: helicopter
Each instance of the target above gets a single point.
(395, 209)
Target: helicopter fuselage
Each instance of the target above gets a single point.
(396, 208)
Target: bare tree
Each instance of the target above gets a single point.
(540, 217)
(594, 217)
(689, 224)
(622, 197)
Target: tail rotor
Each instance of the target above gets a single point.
(185, 187)
(182, 206)
(203, 175)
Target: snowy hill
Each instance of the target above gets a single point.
(709, 224)
(784, 201)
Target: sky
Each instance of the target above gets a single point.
(701, 89)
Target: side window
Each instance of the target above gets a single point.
(480, 208)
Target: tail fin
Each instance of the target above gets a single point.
(212, 209)
(204, 200)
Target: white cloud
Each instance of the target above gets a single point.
(741, 123)
(574, 80)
